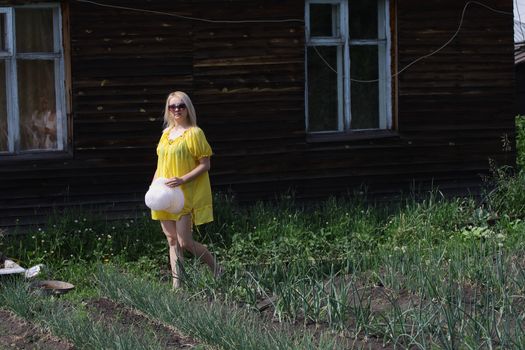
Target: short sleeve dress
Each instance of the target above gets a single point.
(178, 157)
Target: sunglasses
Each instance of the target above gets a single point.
(179, 106)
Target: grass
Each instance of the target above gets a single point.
(72, 322)
(429, 273)
(217, 324)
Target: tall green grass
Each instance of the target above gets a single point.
(431, 272)
(72, 322)
(219, 325)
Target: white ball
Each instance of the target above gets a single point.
(164, 198)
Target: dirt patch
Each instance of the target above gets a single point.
(108, 311)
(16, 333)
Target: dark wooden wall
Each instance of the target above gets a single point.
(247, 82)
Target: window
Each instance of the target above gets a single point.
(347, 66)
(32, 91)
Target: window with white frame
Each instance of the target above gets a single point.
(32, 83)
(348, 81)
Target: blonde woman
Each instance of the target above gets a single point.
(184, 159)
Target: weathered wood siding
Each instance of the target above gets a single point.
(454, 110)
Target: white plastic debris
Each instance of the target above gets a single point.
(10, 268)
(33, 271)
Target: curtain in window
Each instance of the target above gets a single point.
(36, 79)
(37, 106)
(34, 30)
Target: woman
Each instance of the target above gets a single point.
(184, 159)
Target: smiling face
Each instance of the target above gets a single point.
(178, 110)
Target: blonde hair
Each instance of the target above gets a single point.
(168, 122)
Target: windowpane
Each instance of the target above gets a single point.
(36, 96)
(34, 30)
(362, 16)
(3, 108)
(364, 96)
(322, 88)
(321, 21)
(3, 32)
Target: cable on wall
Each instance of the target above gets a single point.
(207, 20)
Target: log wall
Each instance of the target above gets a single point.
(453, 110)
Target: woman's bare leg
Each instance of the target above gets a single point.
(186, 242)
(175, 252)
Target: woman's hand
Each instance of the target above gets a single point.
(175, 181)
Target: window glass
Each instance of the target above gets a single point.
(362, 16)
(322, 88)
(34, 30)
(364, 96)
(37, 108)
(3, 108)
(3, 32)
(321, 21)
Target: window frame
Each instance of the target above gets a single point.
(11, 59)
(382, 42)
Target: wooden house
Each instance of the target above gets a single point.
(318, 96)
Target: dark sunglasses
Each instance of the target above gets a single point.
(179, 106)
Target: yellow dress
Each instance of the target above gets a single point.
(178, 157)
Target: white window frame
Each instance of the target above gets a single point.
(11, 57)
(344, 42)
(8, 12)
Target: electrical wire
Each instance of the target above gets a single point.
(437, 50)
(322, 58)
(302, 21)
(207, 20)
(453, 36)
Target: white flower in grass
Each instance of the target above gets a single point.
(109, 236)
(75, 221)
(113, 227)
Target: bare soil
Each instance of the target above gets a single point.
(16, 333)
(110, 312)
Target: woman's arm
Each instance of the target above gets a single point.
(202, 167)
